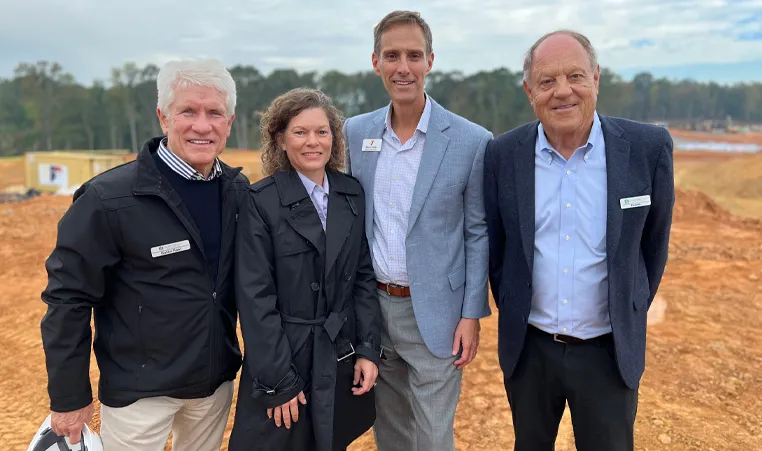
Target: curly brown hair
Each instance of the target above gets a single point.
(276, 118)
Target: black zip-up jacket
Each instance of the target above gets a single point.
(129, 251)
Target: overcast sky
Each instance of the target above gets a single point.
(702, 39)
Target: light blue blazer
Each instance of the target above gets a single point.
(446, 244)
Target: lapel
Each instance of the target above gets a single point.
(523, 174)
(369, 162)
(618, 180)
(342, 212)
(303, 217)
(230, 205)
(433, 153)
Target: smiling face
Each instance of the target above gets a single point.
(402, 63)
(197, 126)
(308, 140)
(563, 87)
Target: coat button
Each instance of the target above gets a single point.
(315, 286)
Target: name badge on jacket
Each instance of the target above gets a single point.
(171, 248)
(371, 145)
(633, 202)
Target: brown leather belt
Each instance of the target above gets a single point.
(393, 290)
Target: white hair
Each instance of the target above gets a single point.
(199, 72)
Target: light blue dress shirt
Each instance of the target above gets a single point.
(395, 177)
(570, 275)
(318, 195)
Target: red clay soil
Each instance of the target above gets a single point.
(702, 388)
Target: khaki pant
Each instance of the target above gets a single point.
(196, 424)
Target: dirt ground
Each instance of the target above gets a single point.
(702, 389)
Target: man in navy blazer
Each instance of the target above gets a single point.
(579, 210)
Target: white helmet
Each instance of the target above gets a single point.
(45, 439)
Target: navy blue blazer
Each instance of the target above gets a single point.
(638, 162)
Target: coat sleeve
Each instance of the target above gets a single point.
(77, 277)
(476, 301)
(367, 309)
(268, 353)
(495, 229)
(655, 241)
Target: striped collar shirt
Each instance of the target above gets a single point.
(184, 169)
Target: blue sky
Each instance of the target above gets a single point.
(702, 39)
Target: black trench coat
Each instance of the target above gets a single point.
(305, 298)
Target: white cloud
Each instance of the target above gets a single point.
(88, 37)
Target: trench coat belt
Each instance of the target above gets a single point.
(332, 323)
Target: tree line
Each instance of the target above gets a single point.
(42, 107)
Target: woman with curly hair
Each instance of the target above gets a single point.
(305, 289)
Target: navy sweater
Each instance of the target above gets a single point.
(203, 201)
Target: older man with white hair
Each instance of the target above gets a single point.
(148, 247)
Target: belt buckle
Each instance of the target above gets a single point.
(555, 338)
(349, 354)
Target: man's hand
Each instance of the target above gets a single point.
(70, 424)
(467, 337)
(365, 372)
(288, 411)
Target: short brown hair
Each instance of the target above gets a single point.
(582, 39)
(402, 18)
(276, 118)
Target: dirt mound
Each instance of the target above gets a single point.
(693, 205)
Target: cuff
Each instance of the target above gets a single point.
(367, 350)
(285, 390)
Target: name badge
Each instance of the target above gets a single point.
(171, 248)
(371, 145)
(633, 202)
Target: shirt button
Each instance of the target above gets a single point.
(315, 286)
(564, 330)
(566, 237)
(568, 172)
(566, 270)
(568, 205)
(566, 301)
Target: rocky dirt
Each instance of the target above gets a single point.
(702, 389)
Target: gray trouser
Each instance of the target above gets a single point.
(417, 392)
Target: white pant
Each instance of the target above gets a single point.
(196, 424)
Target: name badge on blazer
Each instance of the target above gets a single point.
(171, 248)
(371, 145)
(633, 202)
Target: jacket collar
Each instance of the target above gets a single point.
(291, 189)
(148, 178)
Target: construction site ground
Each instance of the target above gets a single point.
(702, 388)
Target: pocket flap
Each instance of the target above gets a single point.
(457, 278)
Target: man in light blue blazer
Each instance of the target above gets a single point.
(421, 168)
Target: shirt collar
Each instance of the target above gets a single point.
(310, 186)
(543, 145)
(182, 168)
(423, 123)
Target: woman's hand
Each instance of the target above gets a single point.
(365, 372)
(288, 411)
